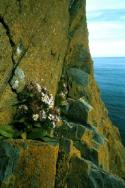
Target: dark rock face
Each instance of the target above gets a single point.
(80, 111)
(46, 41)
(78, 82)
(88, 175)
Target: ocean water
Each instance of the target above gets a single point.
(110, 76)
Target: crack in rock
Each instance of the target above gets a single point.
(18, 52)
(6, 27)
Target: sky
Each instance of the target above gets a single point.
(106, 25)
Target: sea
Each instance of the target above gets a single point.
(110, 76)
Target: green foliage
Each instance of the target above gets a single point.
(38, 133)
(7, 132)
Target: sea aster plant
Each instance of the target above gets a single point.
(36, 109)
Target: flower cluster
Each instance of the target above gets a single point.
(36, 107)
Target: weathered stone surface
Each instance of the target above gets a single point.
(92, 145)
(83, 173)
(43, 33)
(7, 106)
(74, 131)
(27, 164)
(40, 40)
(18, 80)
(78, 82)
(78, 54)
(80, 111)
(6, 64)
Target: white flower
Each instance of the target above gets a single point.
(51, 117)
(38, 87)
(43, 114)
(24, 107)
(57, 119)
(42, 94)
(47, 100)
(35, 117)
(51, 101)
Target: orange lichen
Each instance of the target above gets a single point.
(36, 165)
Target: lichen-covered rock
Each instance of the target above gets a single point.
(18, 80)
(6, 64)
(33, 37)
(74, 131)
(43, 41)
(42, 32)
(78, 82)
(83, 173)
(80, 111)
(7, 106)
(27, 164)
(91, 144)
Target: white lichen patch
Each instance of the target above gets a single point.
(88, 107)
(15, 84)
(18, 80)
(19, 73)
(19, 50)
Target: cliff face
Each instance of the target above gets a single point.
(47, 42)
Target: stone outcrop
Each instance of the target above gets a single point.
(27, 164)
(46, 41)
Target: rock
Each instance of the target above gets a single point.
(78, 82)
(6, 64)
(7, 106)
(80, 111)
(35, 28)
(91, 144)
(40, 42)
(78, 52)
(67, 146)
(18, 80)
(80, 56)
(73, 131)
(83, 173)
(27, 164)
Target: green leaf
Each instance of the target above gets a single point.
(7, 131)
(24, 135)
(50, 140)
(37, 133)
